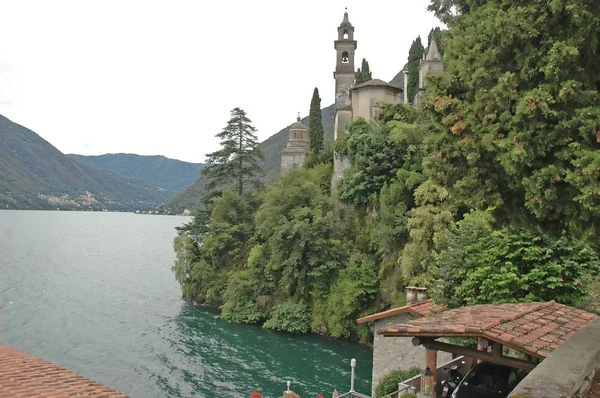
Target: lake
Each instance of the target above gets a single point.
(94, 293)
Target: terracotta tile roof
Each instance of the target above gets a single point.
(418, 310)
(23, 375)
(533, 328)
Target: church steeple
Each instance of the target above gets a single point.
(345, 45)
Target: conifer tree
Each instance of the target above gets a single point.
(315, 125)
(415, 54)
(438, 35)
(363, 74)
(525, 113)
(236, 163)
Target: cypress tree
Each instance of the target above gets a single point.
(315, 125)
(415, 54)
(438, 35)
(363, 74)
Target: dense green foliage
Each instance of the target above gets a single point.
(389, 383)
(315, 123)
(236, 163)
(272, 146)
(363, 74)
(489, 194)
(415, 55)
(36, 175)
(172, 175)
(480, 264)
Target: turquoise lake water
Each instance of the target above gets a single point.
(94, 293)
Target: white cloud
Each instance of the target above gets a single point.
(153, 77)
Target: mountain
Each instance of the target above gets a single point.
(272, 146)
(173, 175)
(36, 175)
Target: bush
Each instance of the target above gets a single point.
(290, 317)
(389, 383)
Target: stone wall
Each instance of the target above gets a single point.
(568, 372)
(395, 353)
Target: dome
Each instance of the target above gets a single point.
(298, 126)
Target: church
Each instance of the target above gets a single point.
(352, 101)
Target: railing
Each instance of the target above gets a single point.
(402, 387)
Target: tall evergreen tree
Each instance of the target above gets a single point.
(315, 124)
(236, 163)
(415, 54)
(438, 35)
(363, 74)
(519, 103)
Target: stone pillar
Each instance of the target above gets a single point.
(405, 86)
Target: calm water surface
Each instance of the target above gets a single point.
(93, 292)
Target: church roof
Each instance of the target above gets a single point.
(433, 54)
(298, 126)
(346, 21)
(375, 83)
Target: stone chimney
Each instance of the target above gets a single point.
(415, 294)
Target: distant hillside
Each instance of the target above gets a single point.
(173, 175)
(272, 146)
(36, 175)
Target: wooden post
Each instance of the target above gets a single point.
(482, 345)
(497, 349)
(431, 362)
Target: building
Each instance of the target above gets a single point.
(431, 64)
(294, 154)
(398, 353)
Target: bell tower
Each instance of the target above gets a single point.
(345, 45)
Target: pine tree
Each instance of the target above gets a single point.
(236, 163)
(363, 74)
(415, 54)
(315, 125)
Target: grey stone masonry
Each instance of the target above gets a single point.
(397, 353)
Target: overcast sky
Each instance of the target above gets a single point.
(160, 77)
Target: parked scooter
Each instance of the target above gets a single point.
(452, 381)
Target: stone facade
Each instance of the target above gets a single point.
(294, 154)
(368, 97)
(344, 46)
(431, 64)
(396, 353)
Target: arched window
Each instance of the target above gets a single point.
(345, 36)
(345, 57)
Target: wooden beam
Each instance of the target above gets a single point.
(469, 352)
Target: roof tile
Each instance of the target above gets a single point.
(24, 375)
(534, 328)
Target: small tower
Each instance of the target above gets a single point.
(294, 154)
(431, 64)
(345, 46)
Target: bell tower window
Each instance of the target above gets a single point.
(345, 57)
(345, 36)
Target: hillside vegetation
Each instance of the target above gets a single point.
(36, 175)
(272, 146)
(490, 193)
(172, 175)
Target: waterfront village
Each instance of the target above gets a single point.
(543, 345)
